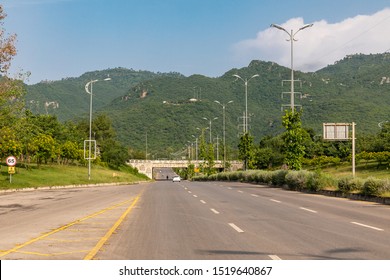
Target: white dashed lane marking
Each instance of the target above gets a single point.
(274, 257)
(367, 226)
(236, 228)
(308, 210)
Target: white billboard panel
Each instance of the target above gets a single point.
(336, 131)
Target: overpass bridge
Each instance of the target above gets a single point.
(146, 166)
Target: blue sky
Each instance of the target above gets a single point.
(65, 38)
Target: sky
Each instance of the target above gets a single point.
(66, 38)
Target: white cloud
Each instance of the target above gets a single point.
(322, 44)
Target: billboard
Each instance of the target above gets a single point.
(336, 131)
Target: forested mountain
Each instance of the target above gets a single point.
(161, 112)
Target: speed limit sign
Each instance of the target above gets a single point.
(11, 161)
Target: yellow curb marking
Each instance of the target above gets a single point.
(4, 253)
(100, 244)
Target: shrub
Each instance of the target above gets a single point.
(223, 176)
(375, 187)
(314, 181)
(350, 184)
(296, 180)
(278, 178)
(263, 177)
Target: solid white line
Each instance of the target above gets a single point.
(255, 195)
(214, 211)
(236, 227)
(204, 202)
(367, 226)
(274, 257)
(277, 201)
(195, 195)
(307, 209)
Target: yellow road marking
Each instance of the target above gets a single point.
(100, 244)
(16, 248)
(51, 254)
(70, 240)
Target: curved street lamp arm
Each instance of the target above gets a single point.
(303, 27)
(280, 28)
(238, 77)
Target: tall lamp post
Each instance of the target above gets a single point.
(89, 90)
(224, 130)
(210, 120)
(246, 98)
(292, 39)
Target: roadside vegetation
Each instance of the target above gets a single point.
(55, 175)
(311, 181)
(299, 161)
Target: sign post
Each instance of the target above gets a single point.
(340, 132)
(11, 162)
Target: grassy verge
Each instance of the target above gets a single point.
(363, 170)
(59, 175)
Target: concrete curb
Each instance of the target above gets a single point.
(71, 187)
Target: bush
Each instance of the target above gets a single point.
(314, 181)
(278, 178)
(350, 184)
(263, 177)
(297, 180)
(375, 187)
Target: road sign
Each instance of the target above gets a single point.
(336, 131)
(11, 161)
(340, 132)
(11, 169)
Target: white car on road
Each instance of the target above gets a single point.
(176, 178)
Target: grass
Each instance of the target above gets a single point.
(60, 175)
(362, 170)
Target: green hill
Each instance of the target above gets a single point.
(160, 112)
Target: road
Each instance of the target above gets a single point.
(190, 220)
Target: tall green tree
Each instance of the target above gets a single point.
(294, 138)
(246, 150)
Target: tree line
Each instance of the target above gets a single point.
(298, 146)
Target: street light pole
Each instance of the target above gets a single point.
(89, 90)
(210, 120)
(224, 130)
(246, 98)
(292, 39)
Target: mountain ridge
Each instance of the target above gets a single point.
(167, 108)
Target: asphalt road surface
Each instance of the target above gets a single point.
(190, 220)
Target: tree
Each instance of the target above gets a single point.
(113, 153)
(11, 90)
(7, 45)
(46, 148)
(102, 128)
(246, 150)
(294, 138)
